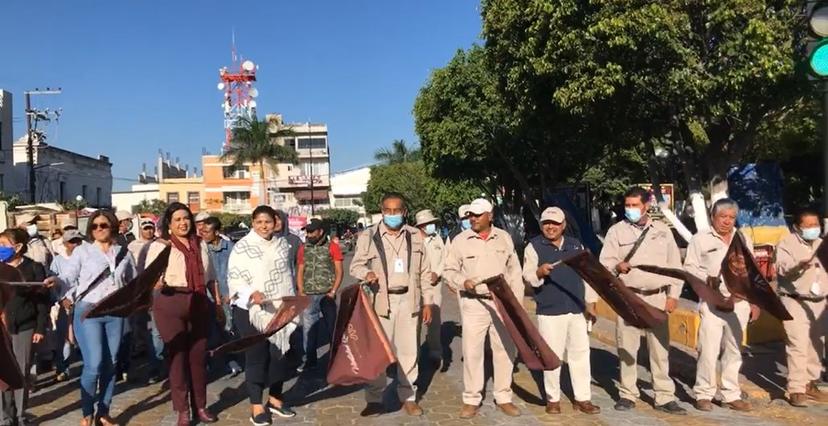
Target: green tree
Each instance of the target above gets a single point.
(342, 218)
(256, 142)
(400, 152)
(155, 207)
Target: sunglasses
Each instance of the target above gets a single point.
(100, 226)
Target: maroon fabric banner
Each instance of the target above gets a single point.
(290, 308)
(743, 280)
(621, 299)
(822, 253)
(711, 295)
(533, 350)
(135, 296)
(10, 375)
(360, 350)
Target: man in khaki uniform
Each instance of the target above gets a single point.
(803, 284)
(482, 252)
(435, 250)
(37, 250)
(392, 256)
(719, 331)
(622, 251)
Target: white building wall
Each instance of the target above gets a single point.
(347, 188)
(127, 200)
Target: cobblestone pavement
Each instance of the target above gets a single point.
(140, 404)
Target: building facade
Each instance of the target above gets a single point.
(6, 142)
(347, 188)
(189, 191)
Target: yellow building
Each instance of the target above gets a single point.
(189, 191)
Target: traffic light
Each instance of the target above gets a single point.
(818, 43)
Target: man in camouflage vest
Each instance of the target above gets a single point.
(319, 274)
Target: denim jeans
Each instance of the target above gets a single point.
(157, 345)
(320, 305)
(63, 349)
(99, 340)
(220, 335)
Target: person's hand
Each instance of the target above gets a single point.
(544, 270)
(451, 289)
(623, 267)
(754, 312)
(590, 313)
(225, 300)
(671, 305)
(434, 278)
(66, 304)
(220, 317)
(257, 298)
(37, 338)
(804, 265)
(331, 294)
(469, 285)
(371, 278)
(50, 282)
(426, 314)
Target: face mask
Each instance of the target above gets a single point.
(31, 230)
(393, 221)
(810, 234)
(431, 229)
(314, 240)
(632, 214)
(6, 253)
(465, 224)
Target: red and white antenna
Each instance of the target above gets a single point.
(239, 93)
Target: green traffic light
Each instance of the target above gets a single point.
(819, 60)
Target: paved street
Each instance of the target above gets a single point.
(138, 404)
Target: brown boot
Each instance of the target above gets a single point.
(798, 400)
(553, 407)
(586, 407)
(468, 411)
(412, 408)
(509, 409)
(813, 392)
(739, 405)
(704, 405)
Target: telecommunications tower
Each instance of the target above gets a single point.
(239, 93)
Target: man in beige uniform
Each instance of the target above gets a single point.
(392, 255)
(435, 250)
(621, 252)
(719, 331)
(803, 284)
(476, 254)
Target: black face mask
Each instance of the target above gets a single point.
(314, 240)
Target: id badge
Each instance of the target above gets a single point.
(816, 289)
(399, 267)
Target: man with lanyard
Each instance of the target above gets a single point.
(318, 275)
(391, 256)
(719, 332)
(802, 285)
(639, 240)
(476, 254)
(564, 306)
(435, 249)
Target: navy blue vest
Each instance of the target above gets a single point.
(562, 291)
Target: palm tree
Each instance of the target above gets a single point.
(253, 142)
(399, 152)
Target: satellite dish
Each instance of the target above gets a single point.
(220, 86)
(254, 93)
(248, 65)
(252, 104)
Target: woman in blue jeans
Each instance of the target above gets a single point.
(96, 269)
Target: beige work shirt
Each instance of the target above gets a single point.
(791, 250)
(705, 253)
(658, 249)
(473, 258)
(436, 250)
(176, 273)
(417, 276)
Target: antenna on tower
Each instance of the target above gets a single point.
(236, 82)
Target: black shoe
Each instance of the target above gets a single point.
(671, 407)
(283, 411)
(373, 409)
(624, 404)
(262, 419)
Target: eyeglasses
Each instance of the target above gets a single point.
(101, 226)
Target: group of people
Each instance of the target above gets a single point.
(214, 290)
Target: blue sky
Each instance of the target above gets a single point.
(141, 75)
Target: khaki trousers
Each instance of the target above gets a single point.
(805, 342)
(567, 336)
(720, 332)
(628, 340)
(402, 329)
(480, 320)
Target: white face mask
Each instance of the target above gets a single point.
(31, 230)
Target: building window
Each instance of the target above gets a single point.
(312, 143)
(194, 201)
(233, 172)
(237, 198)
(348, 202)
(290, 143)
(62, 192)
(83, 193)
(98, 195)
(172, 197)
(2, 182)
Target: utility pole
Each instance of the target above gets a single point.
(310, 148)
(31, 113)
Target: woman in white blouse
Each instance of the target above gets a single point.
(259, 274)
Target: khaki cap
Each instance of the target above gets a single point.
(424, 217)
(553, 214)
(480, 206)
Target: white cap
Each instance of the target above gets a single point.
(480, 206)
(123, 215)
(553, 214)
(463, 211)
(201, 216)
(72, 234)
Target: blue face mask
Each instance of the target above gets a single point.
(431, 229)
(632, 214)
(465, 224)
(6, 253)
(393, 221)
(810, 234)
